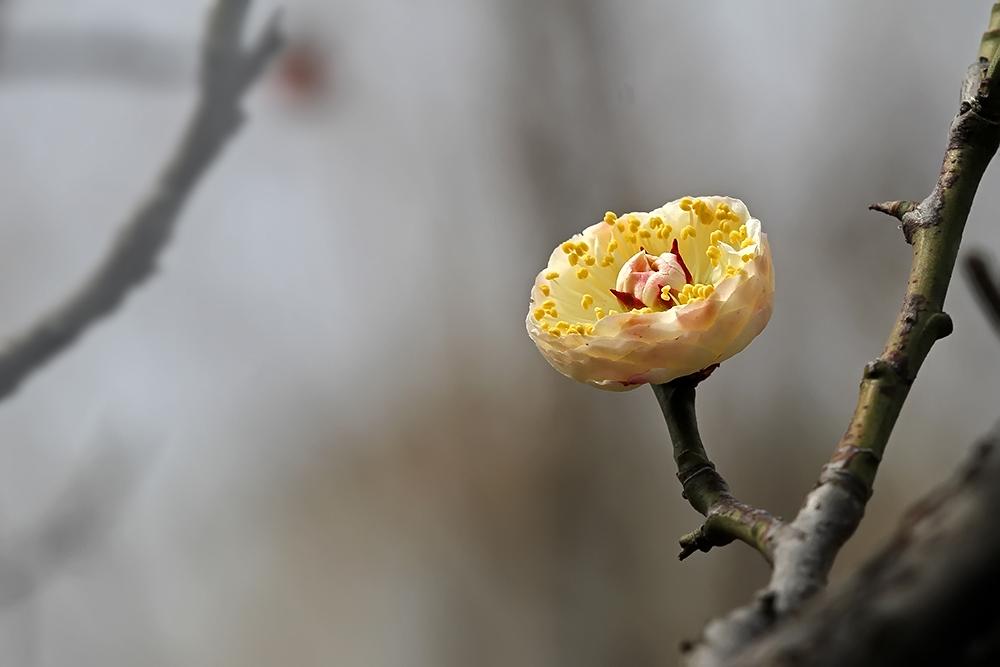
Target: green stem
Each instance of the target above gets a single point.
(726, 518)
(935, 229)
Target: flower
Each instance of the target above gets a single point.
(650, 297)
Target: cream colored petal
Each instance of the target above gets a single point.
(634, 348)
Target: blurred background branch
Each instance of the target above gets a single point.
(227, 72)
(71, 55)
(984, 285)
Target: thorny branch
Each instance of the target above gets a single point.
(227, 71)
(804, 549)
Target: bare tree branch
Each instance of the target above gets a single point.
(227, 72)
(726, 518)
(87, 509)
(805, 549)
(927, 598)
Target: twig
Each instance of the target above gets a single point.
(131, 57)
(726, 518)
(985, 287)
(87, 509)
(915, 603)
(228, 70)
(804, 551)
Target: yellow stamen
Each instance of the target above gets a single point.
(589, 260)
(715, 237)
(610, 217)
(539, 314)
(732, 271)
(587, 301)
(573, 259)
(544, 289)
(688, 231)
(551, 275)
(705, 214)
(567, 247)
(686, 204)
(714, 255)
(582, 273)
(655, 221)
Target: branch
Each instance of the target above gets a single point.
(726, 518)
(985, 287)
(85, 512)
(805, 550)
(227, 72)
(915, 602)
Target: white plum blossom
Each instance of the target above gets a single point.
(650, 297)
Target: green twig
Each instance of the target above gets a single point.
(726, 518)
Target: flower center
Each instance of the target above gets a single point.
(651, 281)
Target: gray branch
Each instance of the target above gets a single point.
(228, 70)
(928, 598)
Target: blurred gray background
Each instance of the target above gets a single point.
(321, 436)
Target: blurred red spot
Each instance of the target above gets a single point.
(302, 71)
